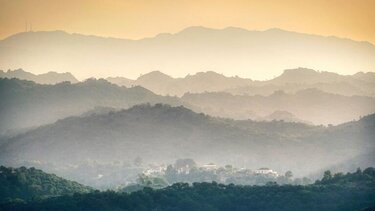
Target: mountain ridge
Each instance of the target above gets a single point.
(161, 133)
(43, 78)
(191, 28)
(295, 79)
(28, 104)
(310, 105)
(291, 80)
(263, 100)
(180, 53)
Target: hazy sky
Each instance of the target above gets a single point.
(354, 19)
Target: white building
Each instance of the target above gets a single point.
(266, 171)
(210, 166)
(155, 170)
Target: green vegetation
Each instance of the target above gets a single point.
(144, 181)
(359, 178)
(24, 184)
(187, 171)
(25, 104)
(161, 134)
(352, 191)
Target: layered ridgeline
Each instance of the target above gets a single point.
(290, 81)
(297, 95)
(309, 106)
(264, 53)
(294, 80)
(161, 134)
(161, 83)
(25, 104)
(351, 191)
(30, 183)
(45, 78)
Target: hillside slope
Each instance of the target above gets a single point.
(353, 191)
(26, 184)
(162, 134)
(25, 104)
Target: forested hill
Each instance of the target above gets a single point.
(27, 183)
(27, 104)
(163, 133)
(353, 191)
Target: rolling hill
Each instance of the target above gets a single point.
(162, 134)
(30, 183)
(25, 104)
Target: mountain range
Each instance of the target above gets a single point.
(247, 53)
(309, 105)
(45, 78)
(162, 134)
(116, 114)
(26, 104)
(163, 84)
(291, 81)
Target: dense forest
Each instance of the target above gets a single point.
(30, 183)
(351, 191)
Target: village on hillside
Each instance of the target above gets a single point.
(186, 170)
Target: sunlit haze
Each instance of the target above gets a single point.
(135, 19)
(187, 105)
(139, 19)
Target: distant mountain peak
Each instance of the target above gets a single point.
(155, 75)
(207, 74)
(193, 29)
(275, 30)
(201, 31)
(44, 78)
(300, 70)
(281, 115)
(306, 75)
(233, 28)
(38, 33)
(16, 73)
(158, 107)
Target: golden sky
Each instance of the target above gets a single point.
(354, 19)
